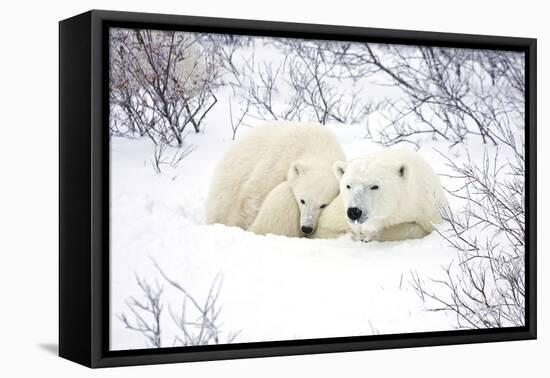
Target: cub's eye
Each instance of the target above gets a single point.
(374, 187)
(302, 202)
(323, 206)
(347, 186)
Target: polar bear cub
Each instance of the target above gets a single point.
(288, 164)
(392, 194)
(296, 204)
(279, 214)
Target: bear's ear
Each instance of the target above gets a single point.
(339, 168)
(296, 169)
(402, 170)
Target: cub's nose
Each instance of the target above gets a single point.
(307, 230)
(354, 213)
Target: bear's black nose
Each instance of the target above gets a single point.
(307, 230)
(354, 213)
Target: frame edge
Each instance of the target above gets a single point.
(75, 275)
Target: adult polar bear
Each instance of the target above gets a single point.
(284, 156)
(392, 194)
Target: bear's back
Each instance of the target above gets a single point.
(296, 140)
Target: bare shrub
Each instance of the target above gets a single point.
(236, 123)
(262, 86)
(204, 328)
(307, 83)
(161, 82)
(319, 78)
(450, 93)
(146, 313)
(161, 156)
(198, 322)
(486, 288)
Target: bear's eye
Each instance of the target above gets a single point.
(374, 187)
(323, 206)
(302, 202)
(347, 186)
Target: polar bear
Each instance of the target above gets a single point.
(392, 194)
(333, 224)
(279, 213)
(288, 163)
(283, 213)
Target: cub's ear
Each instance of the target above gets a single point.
(296, 169)
(339, 168)
(402, 170)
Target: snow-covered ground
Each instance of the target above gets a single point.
(274, 288)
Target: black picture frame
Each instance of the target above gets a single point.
(84, 189)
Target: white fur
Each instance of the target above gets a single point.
(279, 214)
(300, 154)
(332, 222)
(397, 192)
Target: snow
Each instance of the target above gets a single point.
(274, 287)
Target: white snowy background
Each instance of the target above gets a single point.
(269, 287)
